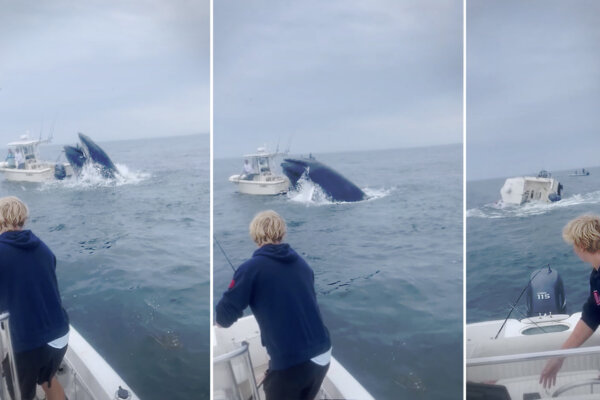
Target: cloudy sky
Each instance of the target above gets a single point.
(337, 75)
(533, 86)
(111, 69)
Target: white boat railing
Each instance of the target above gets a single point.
(7, 353)
(519, 374)
(541, 355)
(234, 375)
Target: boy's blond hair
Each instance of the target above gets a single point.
(13, 214)
(583, 232)
(267, 227)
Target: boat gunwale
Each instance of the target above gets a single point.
(505, 359)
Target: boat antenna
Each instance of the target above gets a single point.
(225, 254)
(517, 301)
(51, 135)
(41, 129)
(289, 145)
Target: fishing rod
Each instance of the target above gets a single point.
(225, 254)
(517, 301)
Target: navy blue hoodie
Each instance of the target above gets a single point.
(278, 285)
(29, 291)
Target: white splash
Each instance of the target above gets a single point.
(375, 194)
(309, 193)
(500, 210)
(91, 177)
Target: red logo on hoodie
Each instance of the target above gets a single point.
(232, 284)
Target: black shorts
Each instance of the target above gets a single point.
(34, 367)
(300, 382)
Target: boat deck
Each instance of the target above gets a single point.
(338, 384)
(84, 374)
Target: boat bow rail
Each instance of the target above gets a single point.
(234, 375)
(8, 376)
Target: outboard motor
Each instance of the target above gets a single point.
(545, 293)
(60, 172)
(554, 197)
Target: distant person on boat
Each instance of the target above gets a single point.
(278, 285)
(39, 325)
(248, 170)
(583, 233)
(19, 160)
(10, 159)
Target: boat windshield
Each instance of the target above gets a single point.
(517, 376)
(27, 151)
(263, 165)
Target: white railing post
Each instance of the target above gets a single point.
(6, 350)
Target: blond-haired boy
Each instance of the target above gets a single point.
(278, 285)
(583, 233)
(39, 326)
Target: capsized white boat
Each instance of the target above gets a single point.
(506, 357)
(22, 163)
(541, 188)
(240, 362)
(83, 374)
(260, 179)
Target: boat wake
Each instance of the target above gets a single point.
(91, 177)
(309, 193)
(500, 210)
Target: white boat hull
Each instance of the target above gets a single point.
(527, 189)
(338, 384)
(40, 173)
(261, 185)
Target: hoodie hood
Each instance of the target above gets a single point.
(281, 252)
(24, 239)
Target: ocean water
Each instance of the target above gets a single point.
(133, 259)
(505, 244)
(388, 270)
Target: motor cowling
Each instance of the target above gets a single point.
(60, 172)
(545, 293)
(554, 197)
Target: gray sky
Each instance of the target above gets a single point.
(533, 86)
(111, 69)
(336, 75)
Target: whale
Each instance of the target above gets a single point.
(336, 186)
(76, 158)
(90, 153)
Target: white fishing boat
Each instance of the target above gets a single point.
(541, 188)
(582, 172)
(23, 164)
(258, 176)
(506, 357)
(84, 374)
(240, 362)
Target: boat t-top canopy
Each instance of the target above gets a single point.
(260, 153)
(26, 141)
